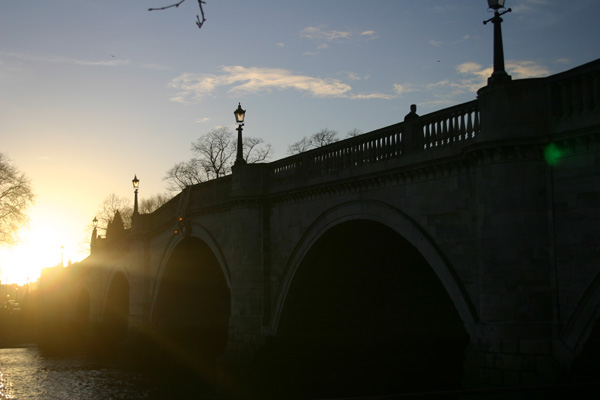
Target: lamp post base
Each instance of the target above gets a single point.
(499, 77)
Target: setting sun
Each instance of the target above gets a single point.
(47, 242)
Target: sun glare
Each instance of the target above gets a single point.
(42, 246)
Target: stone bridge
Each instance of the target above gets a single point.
(460, 250)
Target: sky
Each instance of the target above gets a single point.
(95, 92)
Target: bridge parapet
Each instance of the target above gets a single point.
(575, 96)
(450, 126)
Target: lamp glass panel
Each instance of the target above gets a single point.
(239, 114)
(495, 4)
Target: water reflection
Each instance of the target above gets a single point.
(25, 373)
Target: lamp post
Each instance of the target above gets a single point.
(136, 184)
(499, 75)
(239, 119)
(95, 231)
(94, 235)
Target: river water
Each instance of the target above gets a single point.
(27, 373)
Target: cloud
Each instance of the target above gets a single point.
(105, 63)
(402, 89)
(320, 35)
(113, 62)
(435, 43)
(323, 38)
(370, 35)
(193, 88)
(526, 69)
(476, 76)
(353, 76)
(371, 96)
(238, 79)
(471, 78)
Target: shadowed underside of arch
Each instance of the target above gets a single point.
(366, 314)
(82, 315)
(116, 312)
(192, 308)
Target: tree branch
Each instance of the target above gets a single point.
(199, 22)
(165, 7)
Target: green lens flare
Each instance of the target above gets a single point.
(552, 154)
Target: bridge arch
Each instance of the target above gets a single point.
(82, 314)
(363, 301)
(195, 231)
(400, 223)
(116, 308)
(191, 306)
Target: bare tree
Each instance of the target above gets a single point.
(151, 204)
(16, 196)
(255, 150)
(214, 153)
(324, 137)
(300, 146)
(113, 203)
(183, 174)
(354, 132)
(319, 139)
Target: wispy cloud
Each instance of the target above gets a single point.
(321, 35)
(192, 88)
(370, 35)
(108, 62)
(404, 88)
(471, 77)
(323, 38)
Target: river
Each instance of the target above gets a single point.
(26, 373)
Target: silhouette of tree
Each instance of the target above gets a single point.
(124, 206)
(151, 204)
(319, 139)
(255, 150)
(16, 196)
(214, 154)
(214, 151)
(109, 207)
(300, 146)
(324, 137)
(354, 132)
(183, 174)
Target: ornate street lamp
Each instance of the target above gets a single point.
(136, 184)
(94, 235)
(239, 119)
(499, 75)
